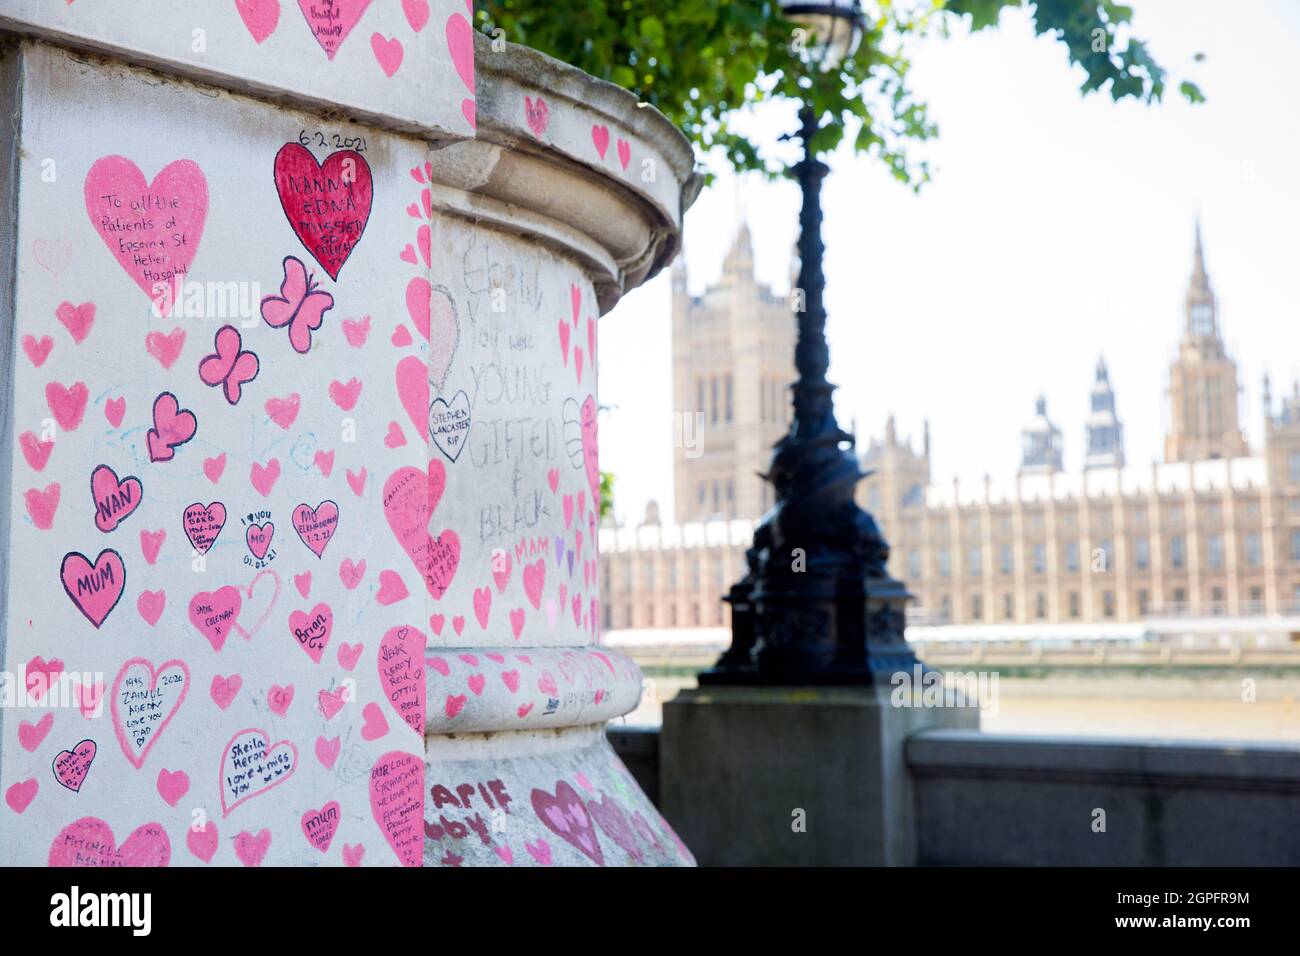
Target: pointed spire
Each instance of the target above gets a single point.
(740, 258)
(1200, 279)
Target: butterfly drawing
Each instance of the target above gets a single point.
(299, 305)
(230, 366)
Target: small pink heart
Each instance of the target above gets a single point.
(279, 699)
(351, 574)
(325, 462)
(395, 437)
(327, 751)
(77, 319)
(214, 467)
(38, 351)
(375, 725)
(357, 482)
(251, 848)
(31, 735)
(173, 785)
(388, 52)
(21, 794)
(165, 348)
(352, 854)
(114, 410)
(151, 543)
(345, 395)
(330, 702)
(454, 704)
(224, 689)
(476, 683)
(349, 654)
(283, 411)
(402, 337)
(303, 583)
(265, 476)
(150, 604)
(440, 665)
(391, 588)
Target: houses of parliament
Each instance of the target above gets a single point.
(1214, 530)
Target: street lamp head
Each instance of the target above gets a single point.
(834, 29)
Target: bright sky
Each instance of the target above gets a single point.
(1057, 228)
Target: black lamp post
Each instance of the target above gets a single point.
(817, 605)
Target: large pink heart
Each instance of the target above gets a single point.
(396, 791)
(90, 842)
(95, 590)
(143, 702)
(410, 498)
(253, 765)
(401, 673)
(565, 815)
(332, 22)
(142, 223)
(413, 390)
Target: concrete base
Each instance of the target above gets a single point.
(792, 776)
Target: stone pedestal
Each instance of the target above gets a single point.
(754, 776)
(299, 481)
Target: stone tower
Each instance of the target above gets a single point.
(1105, 432)
(733, 359)
(1203, 380)
(1040, 443)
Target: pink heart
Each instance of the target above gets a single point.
(279, 699)
(216, 613)
(345, 396)
(115, 410)
(375, 725)
(224, 689)
(259, 16)
(534, 581)
(454, 704)
(517, 621)
(42, 504)
(331, 23)
(316, 526)
(172, 785)
(38, 351)
(67, 404)
(553, 479)
(165, 348)
(312, 630)
(303, 583)
(418, 295)
(410, 496)
(349, 654)
(252, 765)
(460, 43)
(401, 674)
(567, 817)
(502, 565)
(357, 482)
(401, 337)
(417, 13)
(21, 794)
(265, 476)
(115, 499)
(90, 842)
(172, 426)
(319, 826)
(203, 524)
(395, 438)
(154, 691)
(476, 683)
(41, 675)
(94, 589)
(77, 319)
(30, 735)
(624, 153)
(251, 848)
(258, 538)
(327, 751)
(214, 467)
(352, 854)
(391, 588)
(36, 452)
(325, 462)
(538, 115)
(388, 52)
(396, 792)
(181, 188)
(436, 622)
(150, 604)
(511, 679)
(71, 766)
(356, 332)
(482, 605)
(151, 543)
(600, 137)
(440, 665)
(202, 842)
(283, 411)
(351, 574)
(413, 391)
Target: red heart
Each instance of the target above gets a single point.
(327, 204)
